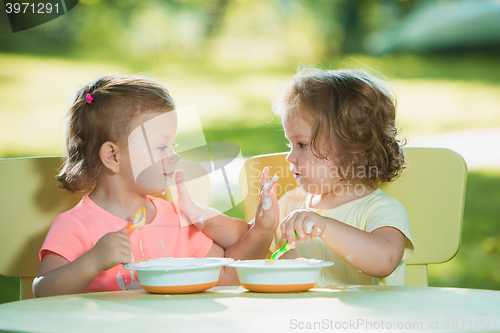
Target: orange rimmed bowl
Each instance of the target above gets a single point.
(284, 276)
(178, 275)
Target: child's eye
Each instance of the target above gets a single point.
(301, 145)
(162, 148)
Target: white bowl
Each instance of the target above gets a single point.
(178, 275)
(285, 275)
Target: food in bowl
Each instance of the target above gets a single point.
(285, 275)
(178, 275)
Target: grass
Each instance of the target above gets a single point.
(253, 139)
(234, 102)
(475, 264)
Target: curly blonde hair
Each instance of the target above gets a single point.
(114, 102)
(353, 112)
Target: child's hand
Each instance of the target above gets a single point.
(267, 215)
(305, 223)
(195, 213)
(112, 249)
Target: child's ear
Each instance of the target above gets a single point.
(109, 156)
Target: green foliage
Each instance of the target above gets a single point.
(260, 31)
(475, 67)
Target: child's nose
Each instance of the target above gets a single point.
(290, 158)
(173, 159)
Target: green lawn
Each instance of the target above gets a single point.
(476, 264)
(434, 95)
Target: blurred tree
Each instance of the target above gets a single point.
(349, 17)
(359, 18)
(216, 18)
(291, 30)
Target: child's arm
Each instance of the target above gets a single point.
(242, 242)
(255, 243)
(58, 276)
(222, 229)
(375, 254)
(225, 230)
(228, 276)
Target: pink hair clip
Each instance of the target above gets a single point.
(89, 98)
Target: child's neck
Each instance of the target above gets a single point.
(332, 200)
(121, 203)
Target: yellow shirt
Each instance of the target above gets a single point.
(367, 213)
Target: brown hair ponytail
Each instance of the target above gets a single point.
(114, 101)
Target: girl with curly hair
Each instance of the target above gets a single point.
(341, 129)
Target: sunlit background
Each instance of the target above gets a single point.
(230, 58)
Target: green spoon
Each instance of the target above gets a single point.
(279, 253)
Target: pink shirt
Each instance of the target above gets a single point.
(77, 230)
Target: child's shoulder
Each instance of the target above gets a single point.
(377, 198)
(80, 208)
(380, 197)
(77, 218)
(380, 201)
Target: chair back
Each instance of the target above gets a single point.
(431, 188)
(29, 201)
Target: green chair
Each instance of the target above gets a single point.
(29, 201)
(432, 190)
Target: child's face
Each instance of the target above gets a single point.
(150, 147)
(314, 175)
